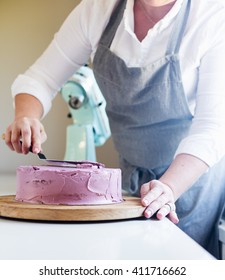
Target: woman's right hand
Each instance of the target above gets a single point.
(26, 127)
(23, 133)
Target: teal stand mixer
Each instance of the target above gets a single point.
(90, 127)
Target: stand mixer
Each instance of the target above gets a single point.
(90, 126)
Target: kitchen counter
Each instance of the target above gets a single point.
(134, 239)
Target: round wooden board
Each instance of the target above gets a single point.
(129, 208)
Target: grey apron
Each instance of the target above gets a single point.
(149, 116)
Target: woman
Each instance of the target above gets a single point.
(160, 66)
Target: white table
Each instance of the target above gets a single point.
(136, 239)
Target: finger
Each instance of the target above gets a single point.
(36, 146)
(173, 217)
(145, 188)
(38, 137)
(7, 137)
(156, 191)
(15, 140)
(26, 138)
(163, 212)
(171, 206)
(156, 205)
(168, 210)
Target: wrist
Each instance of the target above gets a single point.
(27, 106)
(183, 173)
(172, 186)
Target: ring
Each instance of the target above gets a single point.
(171, 206)
(3, 136)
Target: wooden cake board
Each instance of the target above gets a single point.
(130, 208)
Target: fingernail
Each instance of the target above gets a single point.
(35, 150)
(145, 202)
(148, 213)
(160, 216)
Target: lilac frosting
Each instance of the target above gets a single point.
(84, 184)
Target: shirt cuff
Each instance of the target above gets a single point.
(204, 149)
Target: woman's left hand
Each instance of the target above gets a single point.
(158, 198)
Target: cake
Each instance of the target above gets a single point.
(83, 184)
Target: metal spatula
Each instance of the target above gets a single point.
(66, 163)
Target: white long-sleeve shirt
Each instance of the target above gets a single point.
(202, 58)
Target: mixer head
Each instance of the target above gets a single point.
(86, 103)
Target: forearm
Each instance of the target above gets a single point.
(27, 105)
(182, 173)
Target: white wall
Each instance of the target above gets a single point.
(26, 28)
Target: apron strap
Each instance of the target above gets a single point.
(115, 19)
(178, 32)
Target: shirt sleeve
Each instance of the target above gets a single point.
(68, 51)
(71, 48)
(206, 138)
